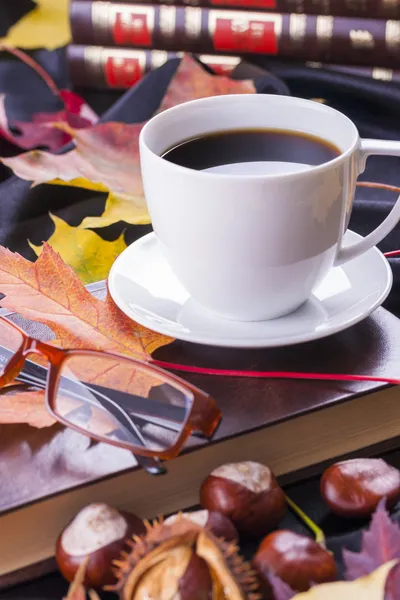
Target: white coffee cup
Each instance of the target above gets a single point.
(254, 246)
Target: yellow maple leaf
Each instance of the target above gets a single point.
(46, 26)
(86, 252)
(129, 209)
(370, 587)
(119, 209)
(79, 182)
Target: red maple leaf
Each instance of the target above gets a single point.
(380, 544)
(76, 113)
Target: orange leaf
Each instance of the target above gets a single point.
(25, 407)
(48, 291)
(191, 82)
(108, 153)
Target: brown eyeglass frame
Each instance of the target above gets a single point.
(204, 415)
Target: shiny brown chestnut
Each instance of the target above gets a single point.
(218, 524)
(248, 494)
(296, 559)
(353, 488)
(99, 531)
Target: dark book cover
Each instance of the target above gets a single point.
(102, 67)
(305, 37)
(372, 9)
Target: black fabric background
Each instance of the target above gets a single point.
(374, 107)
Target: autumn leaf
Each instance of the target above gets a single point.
(79, 182)
(87, 253)
(281, 590)
(369, 587)
(108, 153)
(75, 113)
(46, 26)
(50, 292)
(380, 544)
(392, 590)
(192, 82)
(18, 406)
(119, 209)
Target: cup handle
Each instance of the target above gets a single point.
(367, 148)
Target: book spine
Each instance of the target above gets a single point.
(376, 73)
(372, 9)
(120, 68)
(202, 30)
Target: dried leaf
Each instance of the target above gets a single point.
(87, 253)
(107, 154)
(80, 182)
(369, 587)
(191, 82)
(119, 209)
(47, 26)
(75, 113)
(392, 590)
(281, 590)
(380, 544)
(50, 292)
(18, 406)
(12, 12)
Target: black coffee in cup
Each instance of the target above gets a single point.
(221, 150)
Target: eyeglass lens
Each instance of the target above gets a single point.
(117, 400)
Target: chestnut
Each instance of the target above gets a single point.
(248, 494)
(296, 559)
(196, 583)
(100, 531)
(218, 524)
(353, 488)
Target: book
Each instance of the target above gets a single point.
(322, 38)
(48, 474)
(372, 9)
(101, 67)
(120, 68)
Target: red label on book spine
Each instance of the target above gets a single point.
(122, 73)
(132, 29)
(232, 35)
(266, 4)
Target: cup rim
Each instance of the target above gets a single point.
(153, 122)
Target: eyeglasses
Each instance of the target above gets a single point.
(109, 397)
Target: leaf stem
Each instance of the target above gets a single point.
(317, 531)
(34, 65)
(379, 186)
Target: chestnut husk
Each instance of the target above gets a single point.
(98, 571)
(182, 557)
(220, 525)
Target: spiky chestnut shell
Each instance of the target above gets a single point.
(218, 524)
(171, 561)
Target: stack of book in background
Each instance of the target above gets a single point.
(115, 43)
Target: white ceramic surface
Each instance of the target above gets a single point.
(145, 288)
(253, 246)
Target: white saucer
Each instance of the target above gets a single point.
(144, 287)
